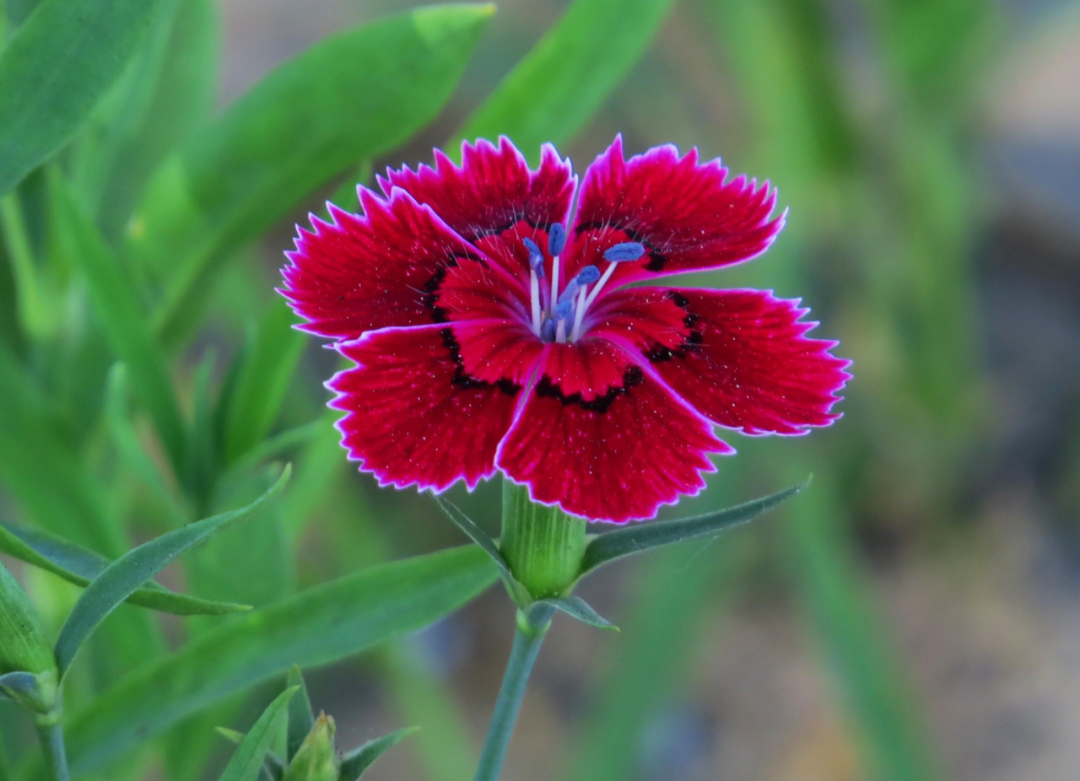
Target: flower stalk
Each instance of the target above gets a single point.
(51, 735)
(532, 626)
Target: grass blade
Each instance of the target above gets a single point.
(264, 377)
(117, 307)
(55, 69)
(316, 627)
(301, 719)
(81, 566)
(121, 578)
(294, 131)
(247, 762)
(568, 75)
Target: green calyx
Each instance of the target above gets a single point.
(317, 759)
(543, 546)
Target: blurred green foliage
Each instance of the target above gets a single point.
(148, 373)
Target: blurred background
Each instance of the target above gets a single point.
(916, 614)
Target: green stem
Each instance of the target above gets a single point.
(51, 735)
(531, 629)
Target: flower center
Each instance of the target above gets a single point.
(558, 317)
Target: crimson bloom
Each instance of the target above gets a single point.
(493, 327)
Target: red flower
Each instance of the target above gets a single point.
(488, 337)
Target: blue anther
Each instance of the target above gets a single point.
(628, 250)
(556, 239)
(588, 275)
(536, 257)
(547, 330)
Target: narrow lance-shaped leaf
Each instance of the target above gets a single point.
(579, 609)
(350, 97)
(356, 762)
(55, 69)
(301, 719)
(247, 762)
(319, 626)
(638, 538)
(121, 578)
(132, 452)
(569, 73)
(166, 95)
(117, 307)
(80, 566)
(474, 532)
(260, 389)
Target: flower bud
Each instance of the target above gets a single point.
(317, 759)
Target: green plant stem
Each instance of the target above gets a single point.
(52, 746)
(531, 629)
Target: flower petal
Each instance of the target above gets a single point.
(493, 198)
(740, 357)
(602, 438)
(415, 413)
(684, 212)
(384, 269)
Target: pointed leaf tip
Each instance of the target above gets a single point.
(359, 760)
(638, 538)
(124, 576)
(301, 718)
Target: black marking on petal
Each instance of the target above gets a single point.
(632, 377)
(659, 353)
(466, 381)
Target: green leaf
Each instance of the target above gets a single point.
(569, 73)
(55, 69)
(23, 647)
(313, 628)
(272, 764)
(293, 132)
(356, 762)
(247, 762)
(117, 307)
(81, 566)
(123, 577)
(638, 538)
(301, 719)
(518, 593)
(269, 364)
(133, 454)
(167, 93)
(578, 608)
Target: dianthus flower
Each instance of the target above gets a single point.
(494, 326)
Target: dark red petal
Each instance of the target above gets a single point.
(383, 269)
(685, 213)
(602, 438)
(493, 191)
(416, 415)
(740, 357)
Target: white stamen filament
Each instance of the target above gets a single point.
(579, 314)
(554, 282)
(534, 291)
(560, 332)
(599, 285)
